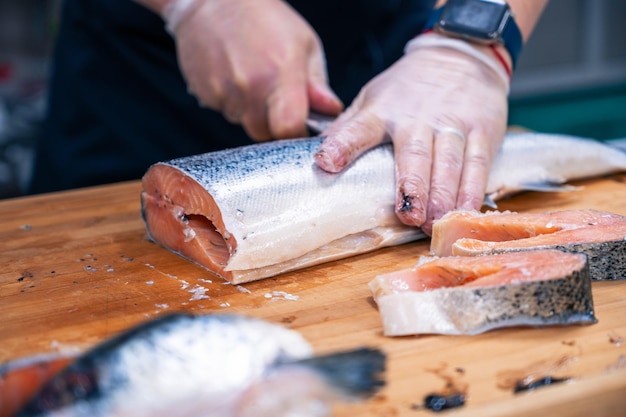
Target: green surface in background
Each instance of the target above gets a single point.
(598, 113)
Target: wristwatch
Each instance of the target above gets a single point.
(486, 22)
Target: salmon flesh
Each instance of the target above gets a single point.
(196, 366)
(257, 211)
(471, 295)
(598, 234)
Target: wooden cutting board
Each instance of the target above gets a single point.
(77, 268)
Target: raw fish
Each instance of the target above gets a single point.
(205, 366)
(600, 235)
(254, 212)
(471, 295)
(258, 211)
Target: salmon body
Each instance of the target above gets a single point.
(253, 212)
(599, 235)
(256, 211)
(203, 366)
(471, 295)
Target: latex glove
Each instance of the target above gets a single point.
(418, 103)
(256, 61)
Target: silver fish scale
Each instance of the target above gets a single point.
(282, 173)
(215, 168)
(274, 191)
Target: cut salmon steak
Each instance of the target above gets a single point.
(253, 212)
(471, 295)
(598, 234)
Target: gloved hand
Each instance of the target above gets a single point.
(256, 61)
(446, 113)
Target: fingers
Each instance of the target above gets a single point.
(448, 164)
(287, 109)
(437, 170)
(479, 155)
(322, 98)
(413, 150)
(268, 90)
(348, 138)
(301, 89)
(275, 110)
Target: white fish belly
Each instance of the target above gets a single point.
(281, 208)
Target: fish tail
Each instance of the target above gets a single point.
(618, 143)
(356, 373)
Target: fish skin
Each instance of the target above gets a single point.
(207, 365)
(530, 161)
(599, 235)
(281, 212)
(469, 308)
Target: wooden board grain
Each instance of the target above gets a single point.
(77, 268)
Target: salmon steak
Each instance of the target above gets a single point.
(462, 295)
(598, 234)
(253, 212)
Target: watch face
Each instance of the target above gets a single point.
(476, 19)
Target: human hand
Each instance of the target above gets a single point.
(445, 112)
(256, 61)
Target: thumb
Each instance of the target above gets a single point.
(322, 98)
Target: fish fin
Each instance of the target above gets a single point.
(619, 144)
(544, 187)
(548, 187)
(356, 373)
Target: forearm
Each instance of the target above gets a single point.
(527, 14)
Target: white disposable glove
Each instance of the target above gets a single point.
(258, 62)
(445, 109)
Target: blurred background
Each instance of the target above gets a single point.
(571, 77)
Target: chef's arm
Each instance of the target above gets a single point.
(223, 54)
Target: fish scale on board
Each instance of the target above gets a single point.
(257, 211)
